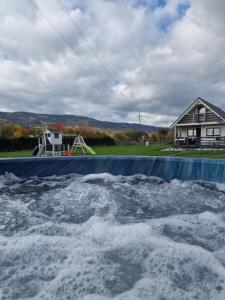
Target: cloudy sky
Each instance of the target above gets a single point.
(110, 59)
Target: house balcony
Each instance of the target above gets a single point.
(200, 118)
(201, 142)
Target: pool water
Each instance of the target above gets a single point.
(111, 237)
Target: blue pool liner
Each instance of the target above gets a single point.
(165, 167)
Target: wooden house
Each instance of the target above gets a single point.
(201, 125)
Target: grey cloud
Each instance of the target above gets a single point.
(158, 73)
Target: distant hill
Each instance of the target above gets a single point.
(33, 119)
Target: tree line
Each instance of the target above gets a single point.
(18, 137)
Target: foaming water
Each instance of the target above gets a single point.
(111, 237)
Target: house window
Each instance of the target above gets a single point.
(201, 114)
(191, 132)
(216, 131)
(213, 131)
(56, 135)
(201, 110)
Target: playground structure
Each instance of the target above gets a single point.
(50, 143)
(79, 143)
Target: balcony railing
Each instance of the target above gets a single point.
(203, 142)
(200, 118)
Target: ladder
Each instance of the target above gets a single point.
(78, 143)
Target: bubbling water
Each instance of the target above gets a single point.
(111, 237)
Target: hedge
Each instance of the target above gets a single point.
(29, 143)
(15, 144)
(95, 141)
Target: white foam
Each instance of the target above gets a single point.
(103, 176)
(209, 216)
(103, 237)
(8, 178)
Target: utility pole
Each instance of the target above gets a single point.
(139, 122)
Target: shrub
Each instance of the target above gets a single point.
(29, 143)
(15, 144)
(91, 141)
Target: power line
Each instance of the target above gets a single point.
(60, 34)
(78, 29)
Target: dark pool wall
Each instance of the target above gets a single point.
(165, 167)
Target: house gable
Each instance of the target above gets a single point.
(190, 116)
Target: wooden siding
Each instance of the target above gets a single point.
(186, 119)
(200, 118)
(211, 117)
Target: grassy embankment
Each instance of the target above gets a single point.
(153, 150)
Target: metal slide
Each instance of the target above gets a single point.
(41, 149)
(38, 151)
(35, 151)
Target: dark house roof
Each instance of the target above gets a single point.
(215, 108)
(54, 130)
(51, 130)
(218, 110)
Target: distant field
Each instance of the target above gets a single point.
(153, 150)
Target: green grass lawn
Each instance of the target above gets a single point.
(153, 150)
(217, 154)
(130, 150)
(24, 153)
